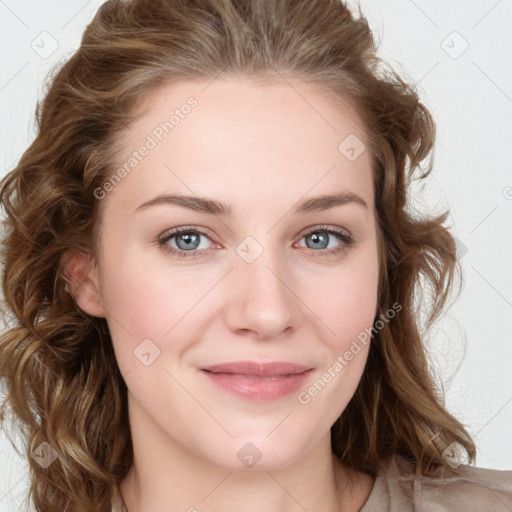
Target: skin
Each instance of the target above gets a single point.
(260, 149)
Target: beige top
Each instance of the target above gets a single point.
(397, 489)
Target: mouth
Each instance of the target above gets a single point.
(258, 382)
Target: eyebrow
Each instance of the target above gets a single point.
(212, 207)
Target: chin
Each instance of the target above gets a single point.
(257, 453)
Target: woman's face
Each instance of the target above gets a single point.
(263, 271)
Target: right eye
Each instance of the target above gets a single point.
(184, 242)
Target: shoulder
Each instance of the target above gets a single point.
(466, 489)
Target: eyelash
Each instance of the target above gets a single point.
(342, 236)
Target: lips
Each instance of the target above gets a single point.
(250, 368)
(258, 382)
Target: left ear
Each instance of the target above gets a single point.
(81, 274)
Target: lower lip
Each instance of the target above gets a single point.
(259, 389)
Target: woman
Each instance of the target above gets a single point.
(211, 271)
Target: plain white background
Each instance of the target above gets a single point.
(457, 54)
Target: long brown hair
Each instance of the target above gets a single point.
(57, 362)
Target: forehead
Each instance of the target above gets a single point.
(235, 134)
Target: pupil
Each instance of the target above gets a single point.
(317, 240)
(190, 239)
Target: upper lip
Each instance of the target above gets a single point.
(258, 369)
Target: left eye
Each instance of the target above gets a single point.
(321, 240)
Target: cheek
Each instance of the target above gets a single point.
(347, 309)
(143, 302)
(145, 298)
(346, 301)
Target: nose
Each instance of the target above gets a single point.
(263, 302)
